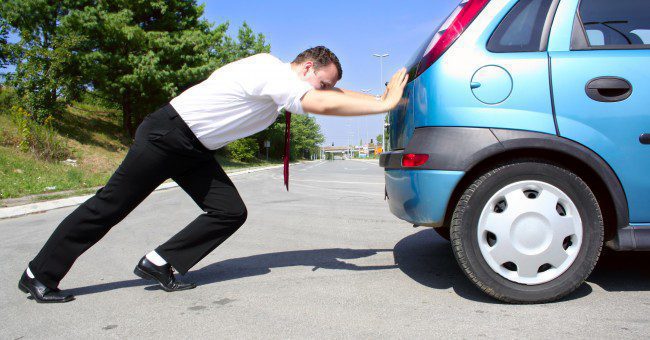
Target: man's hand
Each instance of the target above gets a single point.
(340, 103)
(395, 88)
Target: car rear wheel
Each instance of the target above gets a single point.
(527, 232)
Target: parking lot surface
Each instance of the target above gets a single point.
(325, 260)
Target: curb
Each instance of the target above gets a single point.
(38, 207)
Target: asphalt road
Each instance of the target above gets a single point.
(325, 260)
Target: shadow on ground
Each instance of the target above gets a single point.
(424, 257)
(262, 264)
(257, 265)
(428, 259)
(622, 271)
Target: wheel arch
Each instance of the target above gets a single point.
(525, 145)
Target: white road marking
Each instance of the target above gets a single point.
(327, 182)
(335, 182)
(340, 190)
(313, 166)
(371, 162)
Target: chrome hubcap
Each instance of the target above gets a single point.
(530, 232)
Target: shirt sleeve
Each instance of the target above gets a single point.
(286, 90)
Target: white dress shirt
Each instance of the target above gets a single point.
(240, 99)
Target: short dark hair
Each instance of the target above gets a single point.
(321, 56)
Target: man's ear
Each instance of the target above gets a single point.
(308, 65)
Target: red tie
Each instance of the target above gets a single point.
(287, 148)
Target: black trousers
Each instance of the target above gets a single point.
(164, 147)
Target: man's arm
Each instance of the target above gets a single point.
(340, 103)
(335, 103)
(355, 93)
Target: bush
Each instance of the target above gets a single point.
(242, 150)
(91, 100)
(8, 98)
(41, 140)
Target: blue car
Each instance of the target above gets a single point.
(523, 138)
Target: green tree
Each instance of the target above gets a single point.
(244, 149)
(142, 53)
(305, 136)
(45, 74)
(4, 47)
(247, 44)
(137, 53)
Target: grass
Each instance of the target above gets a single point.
(98, 144)
(23, 174)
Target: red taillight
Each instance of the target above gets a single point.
(453, 27)
(412, 159)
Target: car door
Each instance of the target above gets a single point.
(601, 89)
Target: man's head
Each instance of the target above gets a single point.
(319, 67)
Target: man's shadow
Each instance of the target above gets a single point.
(423, 256)
(262, 264)
(256, 265)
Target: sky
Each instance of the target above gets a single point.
(354, 30)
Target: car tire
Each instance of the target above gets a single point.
(500, 240)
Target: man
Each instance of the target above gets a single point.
(177, 141)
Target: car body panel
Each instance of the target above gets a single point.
(611, 130)
(547, 98)
(446, 152)
(633, 237)
(420, 197)
(442, 95)
(400, 133)
(560, 37)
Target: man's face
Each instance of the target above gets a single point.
(323, 78)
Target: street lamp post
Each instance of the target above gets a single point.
(348, 133)
(381, 70)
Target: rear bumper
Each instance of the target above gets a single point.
(420, 196)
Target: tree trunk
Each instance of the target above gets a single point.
(127, 116)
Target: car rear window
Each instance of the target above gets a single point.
(616, 24)
(521, 29)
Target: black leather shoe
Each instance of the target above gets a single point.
(40, 292)
(163, 274)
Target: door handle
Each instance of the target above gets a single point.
(608, 89)
(645, 138)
